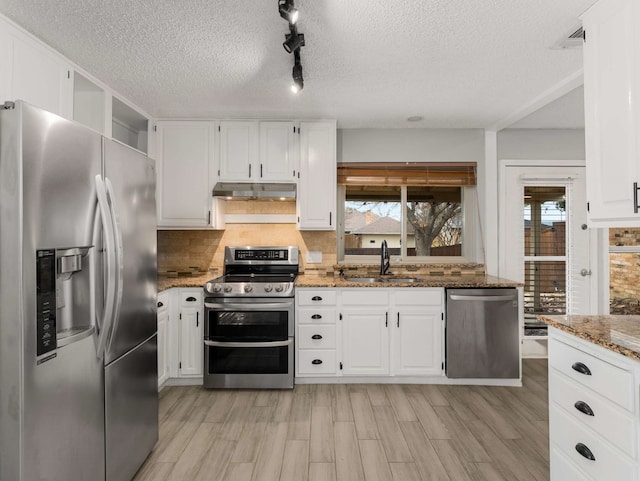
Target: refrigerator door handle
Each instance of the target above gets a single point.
(119, 264)
(105, 323)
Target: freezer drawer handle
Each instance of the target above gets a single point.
(455, 297)
(584, 408)
(585, 452)
(316, 298)
(316, 361)
(316, 316)
(248, 344)
(316, 336)
(191, 299)
(581, 368)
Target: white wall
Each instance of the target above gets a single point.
(541, 144)
(410, 145)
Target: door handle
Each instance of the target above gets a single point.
(197, 319)
(584, 408)
(190, 299)
(316, 336)
(585, 452)
(398, 319)
(585, 272)
(316, 361)
(316, 298)
(581, 368)
(248, 344)
(316, 316)
(160, 304)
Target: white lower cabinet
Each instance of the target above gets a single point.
(191, 333)
(593, 429)
(163, 341)
(373, 332)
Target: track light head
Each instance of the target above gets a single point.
(288, 11)
(298, 81)
(293, 41)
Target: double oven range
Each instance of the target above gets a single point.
(249, 313)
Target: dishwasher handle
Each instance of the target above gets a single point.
(457, 297)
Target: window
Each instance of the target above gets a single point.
(417, 221)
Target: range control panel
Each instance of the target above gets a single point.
(262, 255)
(46, 301)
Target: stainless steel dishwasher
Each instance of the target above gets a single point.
(482, 333)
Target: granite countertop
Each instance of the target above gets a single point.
(166, 281)
(424, 281)
(620, 334)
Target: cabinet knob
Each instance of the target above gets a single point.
(316, 361)
(191, 299)
(316, 336)
(316, 316)
(160, 304)
(316, 298)
(581, 368)
(585, 452)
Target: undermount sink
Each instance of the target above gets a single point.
(371, 280)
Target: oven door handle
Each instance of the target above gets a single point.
(244, 307)
(248, 344)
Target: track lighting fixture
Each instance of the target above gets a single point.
(293, 41)
(288, 11)
(298, 81)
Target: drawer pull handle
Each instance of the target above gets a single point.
(316, 298)
(160, 304)
(316, 336)
(316, 361)
(584, 408)
(316, 316)
(585, 452)
(190, 299)
(581, 368)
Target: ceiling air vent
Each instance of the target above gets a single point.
(573, 40)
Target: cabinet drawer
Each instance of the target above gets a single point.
(316, 316)
(562, 469)
(312, 362)
(192, 299)
(567, 434)
(367, 297)
(608, 420)
(418, 297)
(316, 337)
(316, 297)
(611, 381)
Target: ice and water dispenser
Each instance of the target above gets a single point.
(64, 297)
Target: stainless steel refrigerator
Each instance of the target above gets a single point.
(78, 340)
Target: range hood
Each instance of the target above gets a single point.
(244, 191)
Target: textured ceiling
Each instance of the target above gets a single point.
(367, 63)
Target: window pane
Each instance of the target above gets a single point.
(544, 288)
(434, 221)
(372, 214)
(544, 221)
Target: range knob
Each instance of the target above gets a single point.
(227, 288)
(248, 288)
(279, 288)
(268, 288)
(216, 288)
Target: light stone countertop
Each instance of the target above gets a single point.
(620, 334)
(424, 281)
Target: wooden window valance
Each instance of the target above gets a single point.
(434, 174)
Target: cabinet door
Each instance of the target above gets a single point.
(317, 184)
(612, 111)
(239, 151)
(163, 364)
(417, 342)
(365, 342)
(191, 341)
(185, 174)
(277, 153)
(40, 77)
(6, 58)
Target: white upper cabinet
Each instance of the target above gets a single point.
(33, 73)
(185, 169)
(257, 151)
(612, 112)
(317, 184)
(238, 151)
(278, 159)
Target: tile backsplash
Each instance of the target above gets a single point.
(198, 251)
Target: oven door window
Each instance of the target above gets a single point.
(248, 325)
(248, 360)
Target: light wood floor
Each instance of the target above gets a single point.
(355, 432)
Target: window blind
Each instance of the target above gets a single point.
(434, 174)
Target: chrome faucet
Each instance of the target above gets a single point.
(384, 258)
